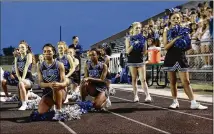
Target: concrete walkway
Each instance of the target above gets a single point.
(166, 92)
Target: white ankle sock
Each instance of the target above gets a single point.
(58, 110)
(193, 102)
(175, 100)
(24, 103)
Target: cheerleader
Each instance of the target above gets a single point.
(75, 75)
(66, 60)
(23, 65)
(106, 52)
(51, 78)
(8, 78)
(175, 60)
(135, 49)
(94, 83)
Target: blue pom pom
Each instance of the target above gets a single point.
(183, 43)
(137, 41)
(35, 116)
(85, 106)
(6, 74)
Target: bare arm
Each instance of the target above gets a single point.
(145, 49)
(16, 69)
(128, 46)
(85, 71)
(107, 60)
(62, 75)
(76, 62)
(72, 66)
(168, 45)
(27, 64)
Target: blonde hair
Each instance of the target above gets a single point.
(64, 44)
(131, 31)
(29, 50)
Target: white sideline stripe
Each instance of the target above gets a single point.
(2, 93)
(165, 109)
(139, 122)
(67, 127)
(160, 96)
(199, 55)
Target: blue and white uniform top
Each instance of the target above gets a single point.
(50, 73)
(94, 71)
(65, 62)
(175, 59)
(21, 66)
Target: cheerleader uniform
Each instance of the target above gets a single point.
(50, 74)
(135, 57)
(66, 64)
(76, 74)
(101, 59)
(95, 72)
(175, 59)
(21, 65)
(10, 81)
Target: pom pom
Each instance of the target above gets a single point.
(6, 74)
(137, 41)
(71, 112)
(183, 43)
(85, 106)
(35, 116)
(75, 96)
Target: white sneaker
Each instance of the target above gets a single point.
(23, 107)
(66, 100)
(174, 105)
(148, 99)
(32, 95)
(108, 102)
(136, 98)
(112, 91)
(12, 99)
(198, 106)
(57, 116)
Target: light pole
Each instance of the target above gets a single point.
(60, 33)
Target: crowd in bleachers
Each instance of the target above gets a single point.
(200, 21)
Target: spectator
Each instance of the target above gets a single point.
(205, 44)
(151, 42)
(193, 17)
(200, 6)
(186, 21)
(77, 47)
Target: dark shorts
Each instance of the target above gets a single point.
(48, 92)
(12, 82)
(75, 77)
(95, 88)
(108, 76)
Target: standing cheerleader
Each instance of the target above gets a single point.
(135, 49)
(51, 78)
(176, 42)
(23, 65)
